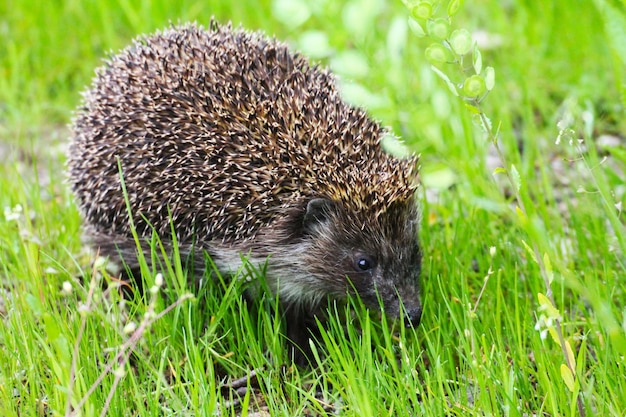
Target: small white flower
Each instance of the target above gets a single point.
(99, 262)
(158, 280)
(543, 325)
(66, 288)
(119, 372)
(13, 214)
(130, 327)
(83, 309)
(562, 124)
(492, 251)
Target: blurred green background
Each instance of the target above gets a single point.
(558, 104)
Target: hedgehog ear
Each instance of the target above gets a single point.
(318, 212)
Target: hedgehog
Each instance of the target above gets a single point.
(231, 145)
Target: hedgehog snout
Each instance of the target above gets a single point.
(413, 316)
(407, 303)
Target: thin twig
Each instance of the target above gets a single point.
(538, 258)
(79, 337)
(125, 350)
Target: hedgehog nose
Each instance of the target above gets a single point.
(413, 317)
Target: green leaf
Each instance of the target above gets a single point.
(416, 28)
(548, 264)
(477, 59)
(490, 78)
(568, 378)
(484, 122)
(617, 152)
(528, 248)
(52, 328)
(446, 79)
(473, 109)
(546, 306)
(56, 337)
(523, 218)
(35, 304)
(517, 181)
(570, 356)
(454, 6)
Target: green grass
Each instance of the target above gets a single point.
(470, 356)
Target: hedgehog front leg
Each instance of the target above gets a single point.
(301, 330)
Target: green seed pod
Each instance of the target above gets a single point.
(461, 41)
(439, 28)
(438, 54)
(474, 86)
(423, 10)
(454, 6)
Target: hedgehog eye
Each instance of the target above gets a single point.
(363, 263)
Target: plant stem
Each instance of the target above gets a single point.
(539, 259)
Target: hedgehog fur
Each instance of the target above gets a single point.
(246, 148)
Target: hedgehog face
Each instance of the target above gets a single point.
(378, 259)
